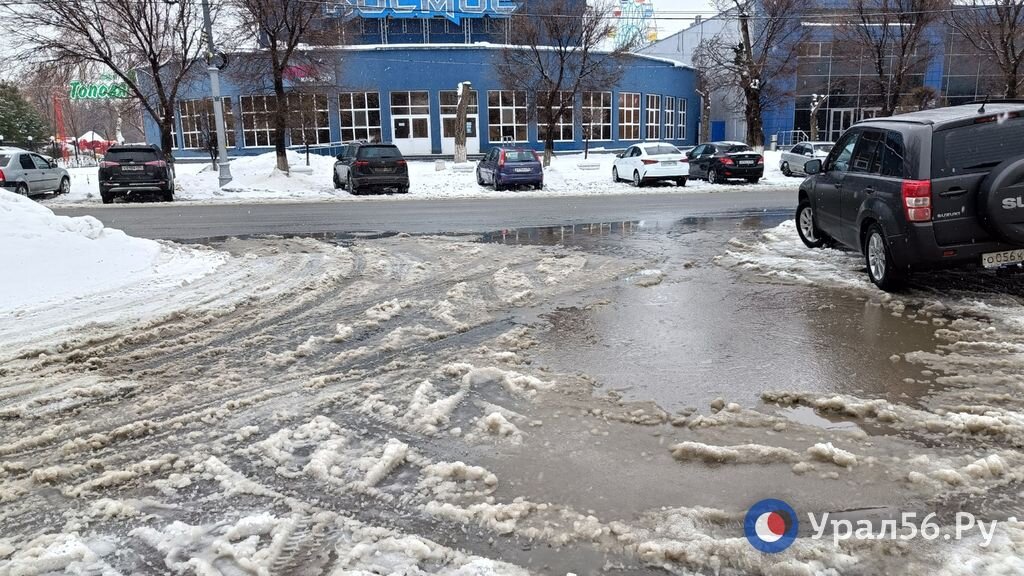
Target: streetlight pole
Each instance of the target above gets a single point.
(218, 112)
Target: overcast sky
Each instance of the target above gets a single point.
(672, 21)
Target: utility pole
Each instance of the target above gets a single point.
(214, 62)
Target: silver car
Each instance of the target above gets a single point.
(793, 160)
(30, 174)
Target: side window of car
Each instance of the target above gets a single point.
(709, 149)
(867, 157)
(26, 162)
(697, 151)
(799, 149)
(40, 162)
(839, 159)
(892, 156)
(633, 151)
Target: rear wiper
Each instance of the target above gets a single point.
(989, 164)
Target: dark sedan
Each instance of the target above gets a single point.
(510, 167)
(719, 162)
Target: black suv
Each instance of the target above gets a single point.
(935, 188)
(363, 166)
(718, 162)
(131, 170)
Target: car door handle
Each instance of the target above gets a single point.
(869, 190)
(953, 192)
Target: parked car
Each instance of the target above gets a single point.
(935, 188)
(505, 167)
(651, 162)
(133, 170)
(793, 160)
(30, 174)
(365, 167)
(719, 162)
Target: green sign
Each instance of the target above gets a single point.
(98, 90)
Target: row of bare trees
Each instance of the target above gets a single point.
(752, 61)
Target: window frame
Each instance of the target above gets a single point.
(367, 127)
(652, 112)
(519, 116)
(630, 122)
(605, 123)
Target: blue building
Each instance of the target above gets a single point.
(395, 79)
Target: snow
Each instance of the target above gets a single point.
(255, 178)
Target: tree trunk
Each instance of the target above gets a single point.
(755, 126)
(814, 123)
(460, 124)
(280, 120)
(167, 131)
(549, 147)
(705, 120)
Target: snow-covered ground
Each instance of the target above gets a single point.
(256, 179)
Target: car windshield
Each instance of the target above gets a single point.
(822, 148)
(131, 155)
(379, 152)
(729, 149)
(977, 147)
(661, 149)
(519, 155)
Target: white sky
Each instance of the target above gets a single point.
(678, 14)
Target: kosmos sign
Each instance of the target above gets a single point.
(453, 10)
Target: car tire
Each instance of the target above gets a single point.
(878, 258)
(615, 174)
(753, 180)
(538, 186)
(713, 176)
(497, 186)
(806, 227)
(337, 181)
(65, 186)
(167, 195)
(107, 198)
(351, 186)
(403, 189)
(479, 180)
(21, 189)
(681, 182)
(638, 182)
(785, 169)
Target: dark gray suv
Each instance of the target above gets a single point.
(929, 189)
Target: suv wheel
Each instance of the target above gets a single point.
(879, 261)
(479, 180)
(809, 233)
(337, 181)
(167, 195)
(351, 187)
(107, 197)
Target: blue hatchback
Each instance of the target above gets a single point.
(510, 167)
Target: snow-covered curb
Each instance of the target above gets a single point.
(256, 179)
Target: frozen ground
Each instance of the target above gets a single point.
(392, 406)
(255, 179)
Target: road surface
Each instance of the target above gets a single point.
(183, 221)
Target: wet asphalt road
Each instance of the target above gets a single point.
(183, 221)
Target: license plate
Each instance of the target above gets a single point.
(746, 162)
(523, 170)
(386, 170)
(133, 168)
(997, 259)
(668, 162)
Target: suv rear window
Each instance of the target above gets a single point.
(134, 154)
(976, 147)
(372, 152)
(519, 156)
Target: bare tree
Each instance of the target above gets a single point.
(282, 26)
(758, 54)
(151, 47)
(711, 79)
(893, 36)
(995, 28)
(559, 56)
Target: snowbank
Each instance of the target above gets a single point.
(256, 178)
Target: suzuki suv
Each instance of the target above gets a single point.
(130, 170)
(929, 189)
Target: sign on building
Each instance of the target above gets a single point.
(454, 10)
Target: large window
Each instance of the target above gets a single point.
(670, 118)
(410, 114)
(198, 126)
(597, 115)
(629, 116)
(653, 117)
(257, 113)
(564, 125)
(450, 110)
(506, 116)
(308, 118)
(681, 117)
(360, 116)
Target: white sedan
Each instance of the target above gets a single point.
(651, 162)
(793, 160)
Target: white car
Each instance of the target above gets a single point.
(651, 162)
(793, 160)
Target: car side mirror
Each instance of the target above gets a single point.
(52, 163)
(341, 157)
(812, 167)
(619, 155)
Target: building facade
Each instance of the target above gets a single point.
(396, 80)
(950, 72)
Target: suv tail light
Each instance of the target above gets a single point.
(157, 163)
(360, 164)
(108, 164)
(401, 162)
(501, 159)
(760, 159)
(917, 200)
(726, 161)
